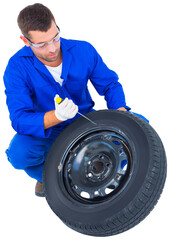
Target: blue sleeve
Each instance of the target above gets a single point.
(25, 120)
(106, 82)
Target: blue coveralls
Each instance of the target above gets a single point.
(30, 91)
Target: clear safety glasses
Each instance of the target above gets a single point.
(45, 44)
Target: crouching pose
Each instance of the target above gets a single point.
(49, 66)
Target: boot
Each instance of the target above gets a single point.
(39, 189)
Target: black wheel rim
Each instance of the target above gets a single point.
(97, 166)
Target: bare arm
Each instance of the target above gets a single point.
(50, 119)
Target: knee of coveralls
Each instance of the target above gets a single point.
(27, 151)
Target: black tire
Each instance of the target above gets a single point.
(104, 179)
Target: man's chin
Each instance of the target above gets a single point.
(49, 58)
(52, 58)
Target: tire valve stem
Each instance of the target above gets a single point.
(60, 166)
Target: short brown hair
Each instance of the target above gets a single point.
(35, 17)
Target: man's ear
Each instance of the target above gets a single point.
(25, 41)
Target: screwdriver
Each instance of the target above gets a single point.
(60, 100)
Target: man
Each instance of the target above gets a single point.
(46, 68)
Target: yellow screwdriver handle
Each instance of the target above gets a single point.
(59, 100)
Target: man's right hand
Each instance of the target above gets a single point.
(65, 110)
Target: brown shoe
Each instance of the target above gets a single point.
(39, 189)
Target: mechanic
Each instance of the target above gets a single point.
(49, 66)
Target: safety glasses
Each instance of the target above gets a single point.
(45, 44)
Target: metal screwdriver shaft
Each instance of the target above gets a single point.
(87, 118)
(60, 100)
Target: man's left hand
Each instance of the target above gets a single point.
(122, 109)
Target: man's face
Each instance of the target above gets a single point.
(51, 53)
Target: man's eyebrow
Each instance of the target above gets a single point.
(48, 41)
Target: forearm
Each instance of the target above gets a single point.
(115, 97)
(50, 119)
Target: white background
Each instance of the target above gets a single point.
(133, 38)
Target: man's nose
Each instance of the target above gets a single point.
(52, 47)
